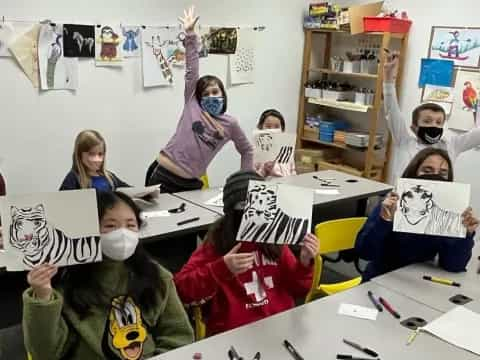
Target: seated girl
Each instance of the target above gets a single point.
(387, 250)
(243, 282)
(125, 307)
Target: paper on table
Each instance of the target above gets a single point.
(358, 311)
(327, 192)
(458, 327)
(216, 200)
(154, 214)
(140, 192)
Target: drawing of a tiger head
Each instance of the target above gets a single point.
(261, 203)
(415, 204)
(28, 229)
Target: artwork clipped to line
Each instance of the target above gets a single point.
(276, 213)
(24, 49)
(79, 40)
(431, 207)
(436, 72)
(7, 33)
(108, 49)
(216, 40)
(274, 146)
(242, 63)
(37, 229)
(155, 66)
(460, 44)
(437, 93)
(466, 93)
(56, 71)
(131, 41)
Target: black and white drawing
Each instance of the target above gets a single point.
(38, 230)
(242, 63)
(276, 214)
(274, 146)
(431, 207)
(79, 40)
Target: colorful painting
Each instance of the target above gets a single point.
(466, 93)
(155, 65)
(108, 49)
(79, 40)
(131, 41)
(438, 93)
(436, 72)
(460, 44)
(242, 63)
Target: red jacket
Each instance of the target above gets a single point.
(268, 288)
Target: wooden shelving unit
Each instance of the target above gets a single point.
(375, 163)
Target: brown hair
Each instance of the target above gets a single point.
(206, 81)
(86, 140)
(427, 106)
(412, 168)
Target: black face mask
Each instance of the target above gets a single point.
(430, 134)
(435, 177)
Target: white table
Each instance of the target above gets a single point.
(200, 197)
(316, 331)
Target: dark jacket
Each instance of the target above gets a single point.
(72, 181)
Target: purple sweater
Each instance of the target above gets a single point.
(196, 141)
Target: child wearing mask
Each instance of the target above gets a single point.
(125, 307)
(426, 129)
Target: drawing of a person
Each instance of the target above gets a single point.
(54, 53)
(109, 41)
(454, 44)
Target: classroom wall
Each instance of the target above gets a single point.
(37, 130)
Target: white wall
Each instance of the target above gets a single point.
(37, 130)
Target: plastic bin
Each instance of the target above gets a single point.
(385, 24)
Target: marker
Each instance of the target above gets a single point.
(188, 221)
(351, 357)
(478, 270)
(257, 356)
(292, 350)
(389, 308)
(374, 301)
(441, 280)
(233, 355)
(361, 348)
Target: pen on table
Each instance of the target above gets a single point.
(361, 348)
(292, 350)
(374, 301)
(441, 280)
(389, 307)
(351, 357)
(188, 221)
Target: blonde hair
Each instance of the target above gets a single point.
(85, 141)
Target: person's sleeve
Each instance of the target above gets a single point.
(173, 327)
(395, 121)
(456, 253)
(191, 65)
(70, 182)
(199, 278)
(243, 146)
(466, 141)
(46, 334)
(260, 169)
(297, 278)
(370, 242)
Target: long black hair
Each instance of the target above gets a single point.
(206, 81)
(412, 168)
(79, 282)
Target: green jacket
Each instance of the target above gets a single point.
(120, 330)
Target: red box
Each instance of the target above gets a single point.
(385, 24)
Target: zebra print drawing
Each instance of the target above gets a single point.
(264, 221)
(41, 242)
(274, 146)
(285, 155)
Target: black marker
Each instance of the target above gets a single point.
(180, 223)
(292, 350)
(361, 348)
(351, 357)
(233, 355)
(374, 301)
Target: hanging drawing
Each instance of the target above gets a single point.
(108, 51)
(437, 93)
(466, 93)
(38, 230)
(460, 44)
(276, 213)
(155, 66)
(131, 41)
(431, 207)
(220, 40)
(79, 40)
(436, 72)
(24, 49)
(274, 146)
(242, 63)
(56, 71)
(7, 33)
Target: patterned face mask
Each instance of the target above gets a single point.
(212, 104)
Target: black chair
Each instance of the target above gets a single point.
(150, 171)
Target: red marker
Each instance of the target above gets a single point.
(389, 308)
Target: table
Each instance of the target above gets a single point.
(316, 331)
(200, 197)
(162, 227)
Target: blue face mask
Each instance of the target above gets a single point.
(212, 104)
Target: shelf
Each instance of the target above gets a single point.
(333, 144)
(332, 72)
(343, 105)
(374, 33)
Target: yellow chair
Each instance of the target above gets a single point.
(200, 327)
(204, 179)
(334, 236)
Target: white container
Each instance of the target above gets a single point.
(345, 96)
(309, 92)
(351, 66)
(364, 66)
(336, 64)
(360, 98)
(373, 66)
(330, 95)
(369, 98)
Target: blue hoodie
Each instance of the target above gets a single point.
(387, 250)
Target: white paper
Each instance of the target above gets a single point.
(276, 213)
(274, 146)
(155, 214)
(56, 71)
(215, 201)
(358, 311)
(140, 192)
(42, 226)
(327, 192)
(466, 92)
(434, 93)
(242, 63)
(7, 33)
(132, 41)
(458, 327)
(431, 207)
(108, 49)
(155, 67)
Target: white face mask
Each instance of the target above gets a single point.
(119, 244)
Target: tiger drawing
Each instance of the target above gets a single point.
(41, 242)
(264, 222)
